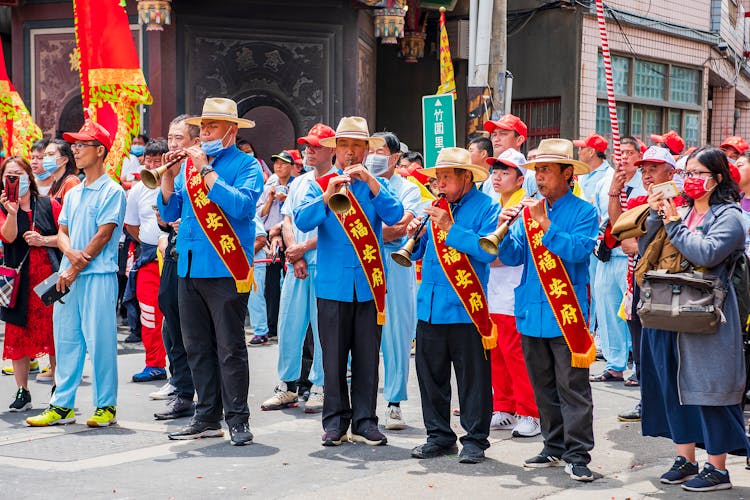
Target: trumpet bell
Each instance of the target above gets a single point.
(152, 178)
(402, 257)
(491, 242)
(340, 202)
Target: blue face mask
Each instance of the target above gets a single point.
(137, 150)
(23, 185)
(212, 148)
(50, 165)
(43, 176)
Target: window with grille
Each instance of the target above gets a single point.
(541, 116)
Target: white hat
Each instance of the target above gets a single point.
(655, 154)
(353, 127)
(511, 158)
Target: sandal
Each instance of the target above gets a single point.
(632, 381)
(606, 376)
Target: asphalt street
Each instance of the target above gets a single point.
(134, 459)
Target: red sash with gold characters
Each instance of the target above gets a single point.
(465, 282)
(219, 232)
(562, 298)
(359, 231)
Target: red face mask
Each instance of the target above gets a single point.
(695, 187)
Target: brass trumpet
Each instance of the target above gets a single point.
(491, 242)
(152, 178)
(339, 202)
(402, 256)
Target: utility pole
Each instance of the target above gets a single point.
(498, 56)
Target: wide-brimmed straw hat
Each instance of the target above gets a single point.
(219, 108)
(558, 151)
(353, 127)
(456, 158)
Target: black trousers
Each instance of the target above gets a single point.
(635, 327)
(346, 327)
(212, 317)
(439, 346)
(563, 396)
(272, 293)
(181, 376)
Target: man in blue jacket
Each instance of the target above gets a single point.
(215, 195)
(350, 311)
(551, 334)
(448, 327)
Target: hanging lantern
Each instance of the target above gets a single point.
(411, 46)
(389, 22)
(154, 14)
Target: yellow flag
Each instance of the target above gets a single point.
(447, 77)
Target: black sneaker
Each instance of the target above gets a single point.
(133, 338)
(681, 471)
(371, 436)
(471, 454)
(22, 401)
(543, 460)
(579, 472)
(240, 434)
(176, 408)
(198, 430)
(709, 479)
(633, 415)
(432, 450)
(333, 438)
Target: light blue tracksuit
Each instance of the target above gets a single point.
(400, 302)
(87, 320)
(298, 307)
(256, 302)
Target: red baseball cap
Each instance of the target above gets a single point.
(672, 139)
(642, 146)
(735, 142)
(508, 122)
(296, 156)
(594, 140)
(317, 132)
(91, 131)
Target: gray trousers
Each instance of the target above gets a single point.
(563, 395)
(212, 318)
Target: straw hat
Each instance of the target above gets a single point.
(219, 108)
(558, 151)
(353, 127)
(456, 158)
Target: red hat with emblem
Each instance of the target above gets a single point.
(91, 131)
(317, 132)
(672, 139)
(735, 142)
(508, 122)
(296, 156)
(594, 140)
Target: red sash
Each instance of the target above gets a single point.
(217, 229)
(465, 282)
(358, 229)
(562, 298)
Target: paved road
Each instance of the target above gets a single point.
(136, 460)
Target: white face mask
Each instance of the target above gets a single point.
(377, 164)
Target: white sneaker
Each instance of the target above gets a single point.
(282, 398)
(167, 391)
(527, 427)
(314, 403)
(394, 419)
(502, 421)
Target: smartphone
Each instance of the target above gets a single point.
(667, 189)
(11, 188)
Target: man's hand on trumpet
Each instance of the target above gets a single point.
(537, 211)
(334, 186)
(508, 214)
(440, 217)
(361, 173)
(414, 225)
(179, 155)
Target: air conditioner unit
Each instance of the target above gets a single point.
(458, 37)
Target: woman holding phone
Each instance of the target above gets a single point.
(28, 231)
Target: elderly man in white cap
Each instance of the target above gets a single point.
(454, 325)
(215, 194)
(350, 284)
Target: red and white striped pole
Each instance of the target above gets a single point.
(610, 84)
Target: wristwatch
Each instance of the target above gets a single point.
(206, 170)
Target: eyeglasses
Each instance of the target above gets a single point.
(80, 145)
(701, 173)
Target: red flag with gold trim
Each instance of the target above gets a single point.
(17, 127)
(112, 82)
(447, 77)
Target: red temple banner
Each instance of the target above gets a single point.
(17, 128)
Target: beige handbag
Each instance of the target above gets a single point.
(632, 223)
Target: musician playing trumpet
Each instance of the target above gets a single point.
(454, 325)
(553, 239)
(350, 283)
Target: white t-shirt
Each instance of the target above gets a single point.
(140, 212)
(130, 166)
(503, 280)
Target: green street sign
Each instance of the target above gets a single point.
(438, 125)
